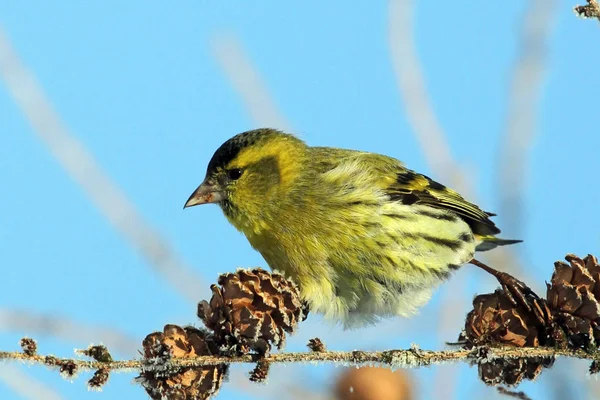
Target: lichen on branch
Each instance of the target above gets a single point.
(407, 358)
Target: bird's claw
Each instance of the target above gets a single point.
(516, 291)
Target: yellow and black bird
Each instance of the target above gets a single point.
(363, 236)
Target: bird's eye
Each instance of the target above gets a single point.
(234, 174)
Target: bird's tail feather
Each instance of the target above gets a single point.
(490, 242)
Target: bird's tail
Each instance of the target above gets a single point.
(490, 242)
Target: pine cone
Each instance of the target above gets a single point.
(252, 309)
(512, 371)
(574, 298)
(569, 317)
(186, 383)
(496, 320)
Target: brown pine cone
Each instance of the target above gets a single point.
(569, 317)
(496, 320)
(512, 371)
(260, 372)
(573, 296)
(252, 309)
(186, 383)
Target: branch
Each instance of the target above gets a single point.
(410, 358)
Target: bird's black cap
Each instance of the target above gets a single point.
(231, 148)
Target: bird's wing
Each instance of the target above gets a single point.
(413, 188)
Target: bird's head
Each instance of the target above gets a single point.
(249, 171)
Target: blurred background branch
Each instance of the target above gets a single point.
(24, 385)
(522, 115)
(83, 168)
(247, 82)
(433, 142)
(65, 329)
(413, 90)
(520, 132)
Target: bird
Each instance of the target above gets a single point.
(363, 237)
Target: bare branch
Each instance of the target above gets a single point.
(25, 386)
(247, 82)
(81, 165)
(411, 358)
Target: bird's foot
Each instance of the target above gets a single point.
(516, 291)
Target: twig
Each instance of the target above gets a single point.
(81, 165)
(411, 358)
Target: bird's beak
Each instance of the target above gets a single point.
(207, 192)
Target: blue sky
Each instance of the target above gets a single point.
(140, 86)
